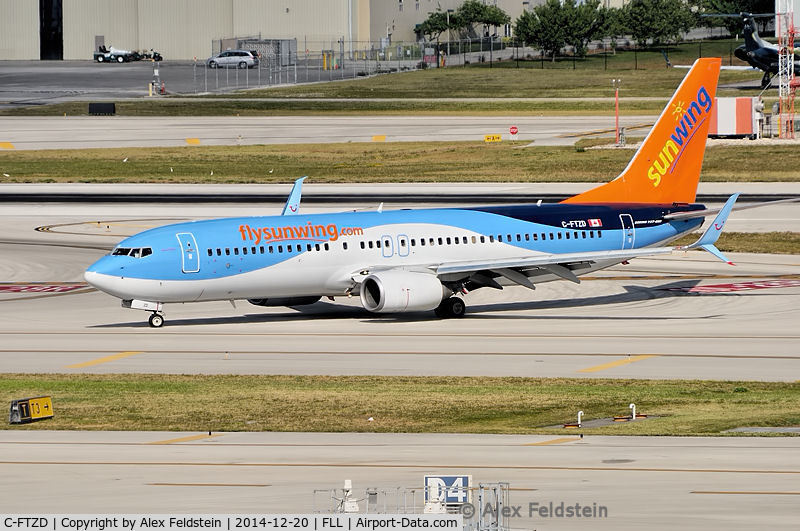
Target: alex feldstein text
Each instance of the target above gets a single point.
(228, 522)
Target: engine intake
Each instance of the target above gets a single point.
(401, 291)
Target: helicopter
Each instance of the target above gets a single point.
(755, 51)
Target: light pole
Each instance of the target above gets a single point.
(616, 83)
(448, 33)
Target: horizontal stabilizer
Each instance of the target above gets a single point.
(694, 214)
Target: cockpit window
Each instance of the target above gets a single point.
(139, 252)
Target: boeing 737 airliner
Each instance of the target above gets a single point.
(428, 259)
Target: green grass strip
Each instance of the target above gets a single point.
(400, 404)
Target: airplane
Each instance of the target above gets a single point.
(755, 51)
(415, 260)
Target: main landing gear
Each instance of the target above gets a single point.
(156, 320)
(452, 307)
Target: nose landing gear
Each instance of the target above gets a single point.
(156, 320)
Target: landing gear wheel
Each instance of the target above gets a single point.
(452, 307)
(156, 320)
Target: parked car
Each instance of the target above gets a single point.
(233, 59)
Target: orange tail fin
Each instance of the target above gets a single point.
(666, 168)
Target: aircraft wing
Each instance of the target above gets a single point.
(694, 214)
(558, 263)
(547, 260)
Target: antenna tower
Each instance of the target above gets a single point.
(787, 84)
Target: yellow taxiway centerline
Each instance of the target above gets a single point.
(104, 359)
(554, 441)
(187, 438)
(612, 364)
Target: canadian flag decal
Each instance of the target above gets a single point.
(595, 223)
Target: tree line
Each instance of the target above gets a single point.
(557, 24)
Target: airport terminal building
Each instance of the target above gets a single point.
(185, 29)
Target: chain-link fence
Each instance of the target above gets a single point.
(287, 61)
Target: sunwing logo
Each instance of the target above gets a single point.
(689, 121)
(330, 232)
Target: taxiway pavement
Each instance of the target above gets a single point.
(644, 482)
(684, 316)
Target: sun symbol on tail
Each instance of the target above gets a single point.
(677, 110)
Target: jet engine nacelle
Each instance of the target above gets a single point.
(401, 291)
(284, 301)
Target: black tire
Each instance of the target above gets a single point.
(456, 307)
(242, 65)
(156, 320)
(120, 59)
(212, 64)
(452, 307)
(100, 58)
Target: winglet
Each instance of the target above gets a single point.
(711, 235)
(292, 206)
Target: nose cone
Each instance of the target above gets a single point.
(105, 276)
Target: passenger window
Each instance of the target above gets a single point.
(509, 238)
(262, 249)
(316, 246)
(236, 251)
(280, 248)
(500, 237)
(591, 234)
(369, 242)
(413, 242)
(527, 237)
(464, 239)
(299, 248)
(210, 252)
(308, 247)
(327, 247)
(421, 242)
(432, 241)
(483, 239)
(456, 240)
(544, 236)
(402, 243)
(474, 239)
(583, 234)
(491, 238)
(440, 241)
(378, 244)
(535, 236)
(519, 239)
(253, 250)
(344, 245)
(559, 235)
(599, 234)
(575, 235)
(362, 245)
(552, 236)
(227, 251)
(271, 249)
(244, 250)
